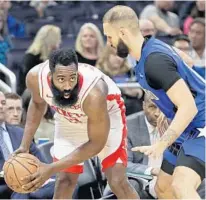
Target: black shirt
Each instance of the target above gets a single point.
(29, 61)
(160, 70)
(82, 59)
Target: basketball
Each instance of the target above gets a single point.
(18, 167)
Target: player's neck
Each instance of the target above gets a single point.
(135, 47)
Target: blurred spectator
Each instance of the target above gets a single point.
(41, 5)
(47, 39)
(15, 27)
(119, 71)
(12, 137)
(166, 22)
(182, 42)
(47, 122)
(89, 44)
(144, 125)
(197, 38)
(14, 109)
(146, 27)
(196, 10)
(143, 131)
(5, 43)
(114, 66)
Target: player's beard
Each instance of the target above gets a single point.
(122, 49)
(58, 95)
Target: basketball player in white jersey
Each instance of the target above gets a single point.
(90, 114)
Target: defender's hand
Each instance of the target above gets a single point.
(155, 151)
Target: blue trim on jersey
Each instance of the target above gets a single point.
(194, 81)
(197, 86)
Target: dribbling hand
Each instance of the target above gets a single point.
(35, 181)
(21, 149)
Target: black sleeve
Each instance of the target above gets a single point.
(161, 71)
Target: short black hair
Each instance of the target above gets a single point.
(64, 57)
(181, 37)
(198, 20)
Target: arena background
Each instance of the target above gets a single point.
(20, 23)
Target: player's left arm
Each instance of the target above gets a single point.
(182, 98)
(161, 73)
(95, 107)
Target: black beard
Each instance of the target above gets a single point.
(58, 96)
(122, 49)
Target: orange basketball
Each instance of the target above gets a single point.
(18, 167)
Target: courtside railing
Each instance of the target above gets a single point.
(11, 77)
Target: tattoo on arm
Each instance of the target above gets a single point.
(169, 137)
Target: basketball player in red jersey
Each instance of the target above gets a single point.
(90, 114)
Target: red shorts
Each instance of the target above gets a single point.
(119, 156)
(116, 143)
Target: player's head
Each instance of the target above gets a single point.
(63, 65)
(120, 23)
(151, 111)
(2, 107)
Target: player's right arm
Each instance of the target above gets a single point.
(35, 111)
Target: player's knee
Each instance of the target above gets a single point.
(66, 181)
(118, 182)
(179, 187)
(159, 190)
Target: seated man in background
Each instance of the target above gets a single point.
(183, 43)
(197, 38)
(14, 109)
(143, 130)
(10, 137)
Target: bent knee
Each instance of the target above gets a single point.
(118, 182)
(159, 190)
(64, 179)
(178, 187)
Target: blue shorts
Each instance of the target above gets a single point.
(192, 146)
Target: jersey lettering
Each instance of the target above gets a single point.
(72, 117)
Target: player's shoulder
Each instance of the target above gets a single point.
(98, 93)
(36, 69)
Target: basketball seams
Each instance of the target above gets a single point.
(19, 156)
(28, 164)
(16, 174)
(23, 166)
(5, 172)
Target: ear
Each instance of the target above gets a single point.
(122, 32)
